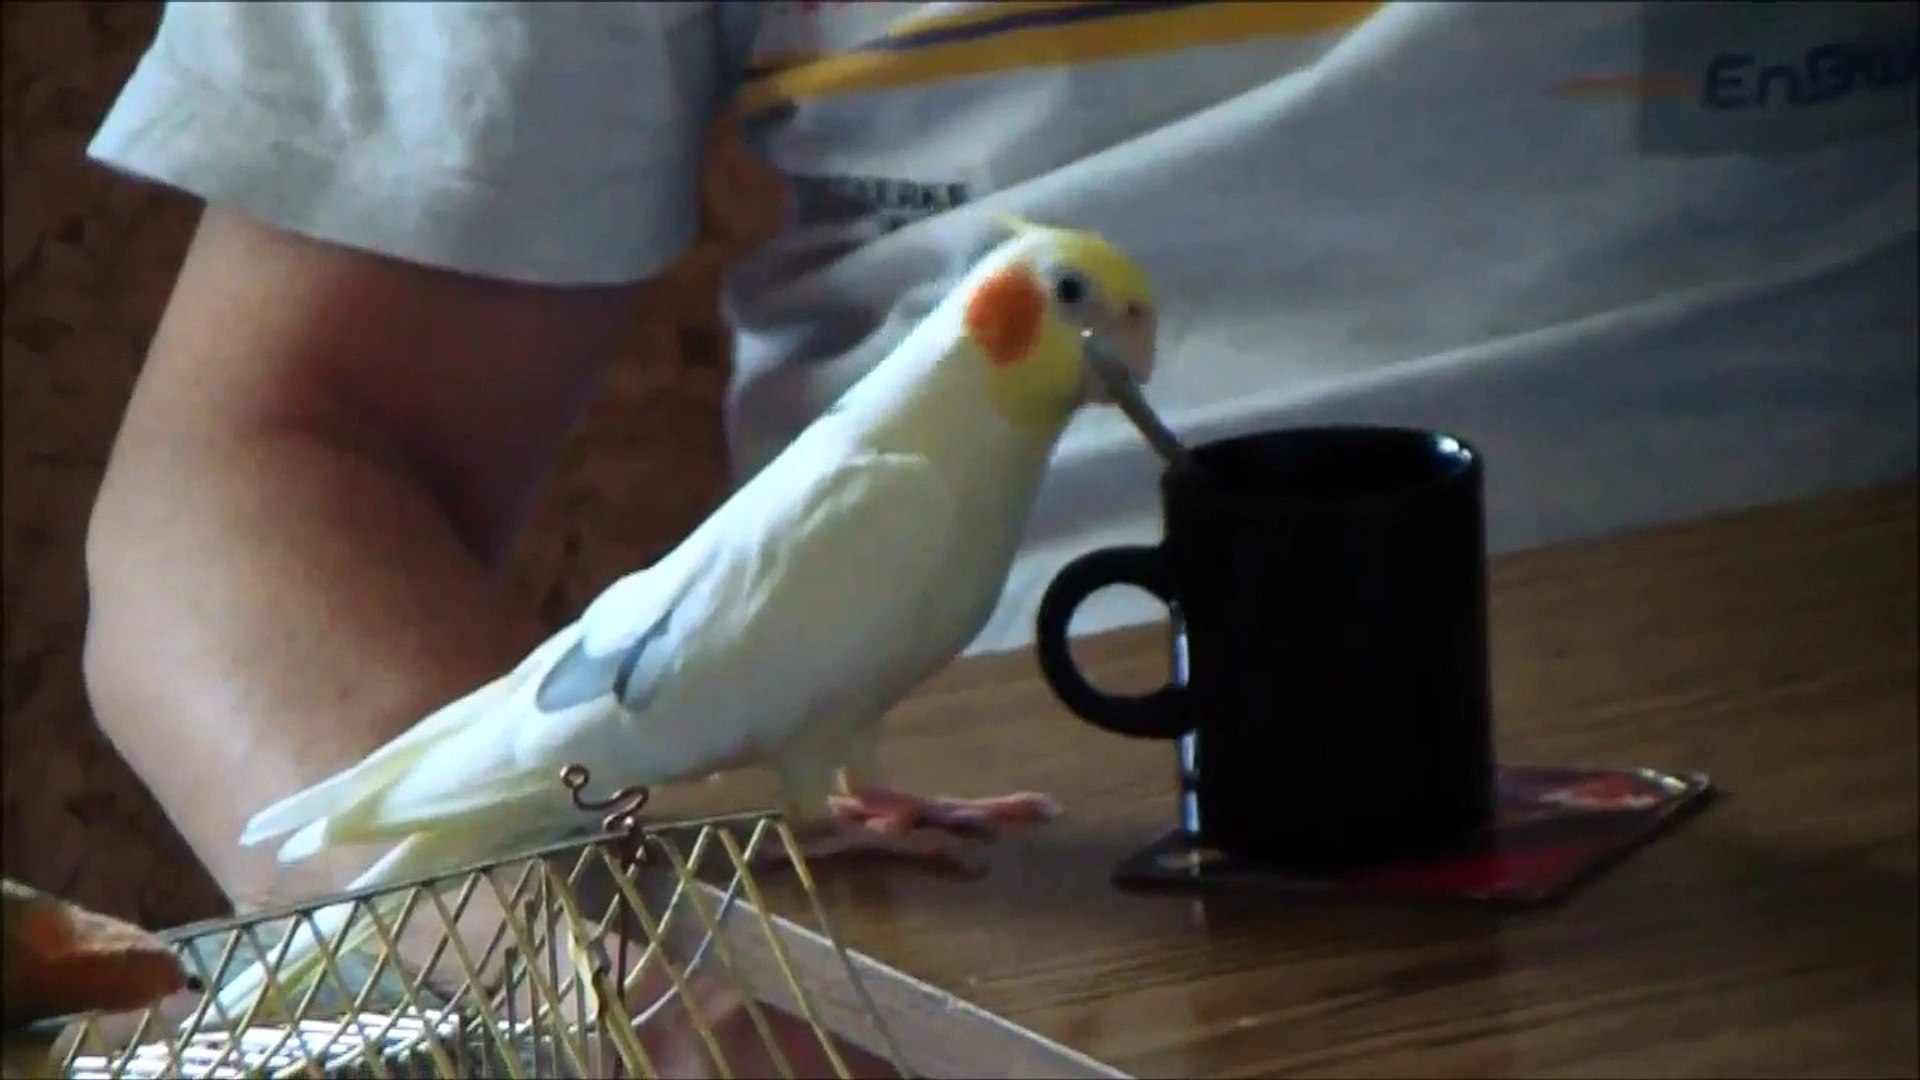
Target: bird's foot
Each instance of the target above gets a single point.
(840, 838)
(843, 837)
(886, 823)
(883, 822)
(898, 811)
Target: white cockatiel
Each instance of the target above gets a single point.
(851, 568)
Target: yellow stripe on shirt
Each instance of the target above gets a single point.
(1108, 32)
(978, 14)
(974, 15)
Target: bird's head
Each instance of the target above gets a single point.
(1031, 308)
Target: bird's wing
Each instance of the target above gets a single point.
(555, 677)
(349, 801)
(824, 599)
(757, 626)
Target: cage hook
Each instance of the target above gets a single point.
(622, 807)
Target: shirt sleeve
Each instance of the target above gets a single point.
(553, 143)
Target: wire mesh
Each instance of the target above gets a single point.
(626, 953)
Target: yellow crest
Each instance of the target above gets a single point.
(1089, 252)
(1014, 223)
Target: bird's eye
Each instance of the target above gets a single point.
(1070, 288)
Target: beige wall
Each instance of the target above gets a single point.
(89, 260)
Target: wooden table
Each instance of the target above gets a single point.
(1774, 934)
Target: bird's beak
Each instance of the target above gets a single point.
(1113, 373)
(1123, 350)
(1114, 382)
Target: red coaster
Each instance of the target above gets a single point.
(1555, 828)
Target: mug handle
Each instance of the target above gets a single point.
(1156, 714)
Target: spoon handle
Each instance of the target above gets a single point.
(1126, 394)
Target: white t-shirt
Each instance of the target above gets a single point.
(1655, 259)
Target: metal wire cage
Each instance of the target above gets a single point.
(642, 950)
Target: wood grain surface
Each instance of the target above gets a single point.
(1773, 935)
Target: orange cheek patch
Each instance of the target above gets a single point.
(1004, 314)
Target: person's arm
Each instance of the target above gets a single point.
(427, 224)
(293, 554)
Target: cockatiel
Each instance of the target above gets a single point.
(855, 565)
(60, 959)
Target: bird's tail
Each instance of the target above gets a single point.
(300, 958)
(348, 789)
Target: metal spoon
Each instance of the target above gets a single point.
(1125, 392)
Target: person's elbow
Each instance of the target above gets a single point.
(297, 398)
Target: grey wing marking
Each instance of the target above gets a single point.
(630, 673)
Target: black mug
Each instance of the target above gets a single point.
(1331, 689)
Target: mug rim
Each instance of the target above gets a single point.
(1180, 480)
